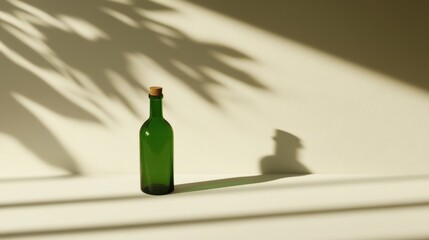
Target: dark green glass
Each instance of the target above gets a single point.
(156, 152)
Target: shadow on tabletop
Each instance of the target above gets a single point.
(38, 178)
(283, 163)
(205, 220)
(226, 189)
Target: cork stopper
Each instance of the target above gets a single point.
(155, 91)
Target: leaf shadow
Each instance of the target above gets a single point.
(65, 57)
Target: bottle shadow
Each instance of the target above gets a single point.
(282, 164)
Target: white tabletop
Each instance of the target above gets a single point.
(217, 207)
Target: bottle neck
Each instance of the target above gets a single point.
(155, 106)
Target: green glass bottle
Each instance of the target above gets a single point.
(156, 149)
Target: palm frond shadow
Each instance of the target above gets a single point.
(85, 44)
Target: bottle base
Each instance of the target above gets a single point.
(157, 189)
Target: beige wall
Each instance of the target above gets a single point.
(246, 91)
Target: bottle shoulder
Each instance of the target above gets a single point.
(168, 124)
(156, 124)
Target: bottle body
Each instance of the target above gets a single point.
(156, 152)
